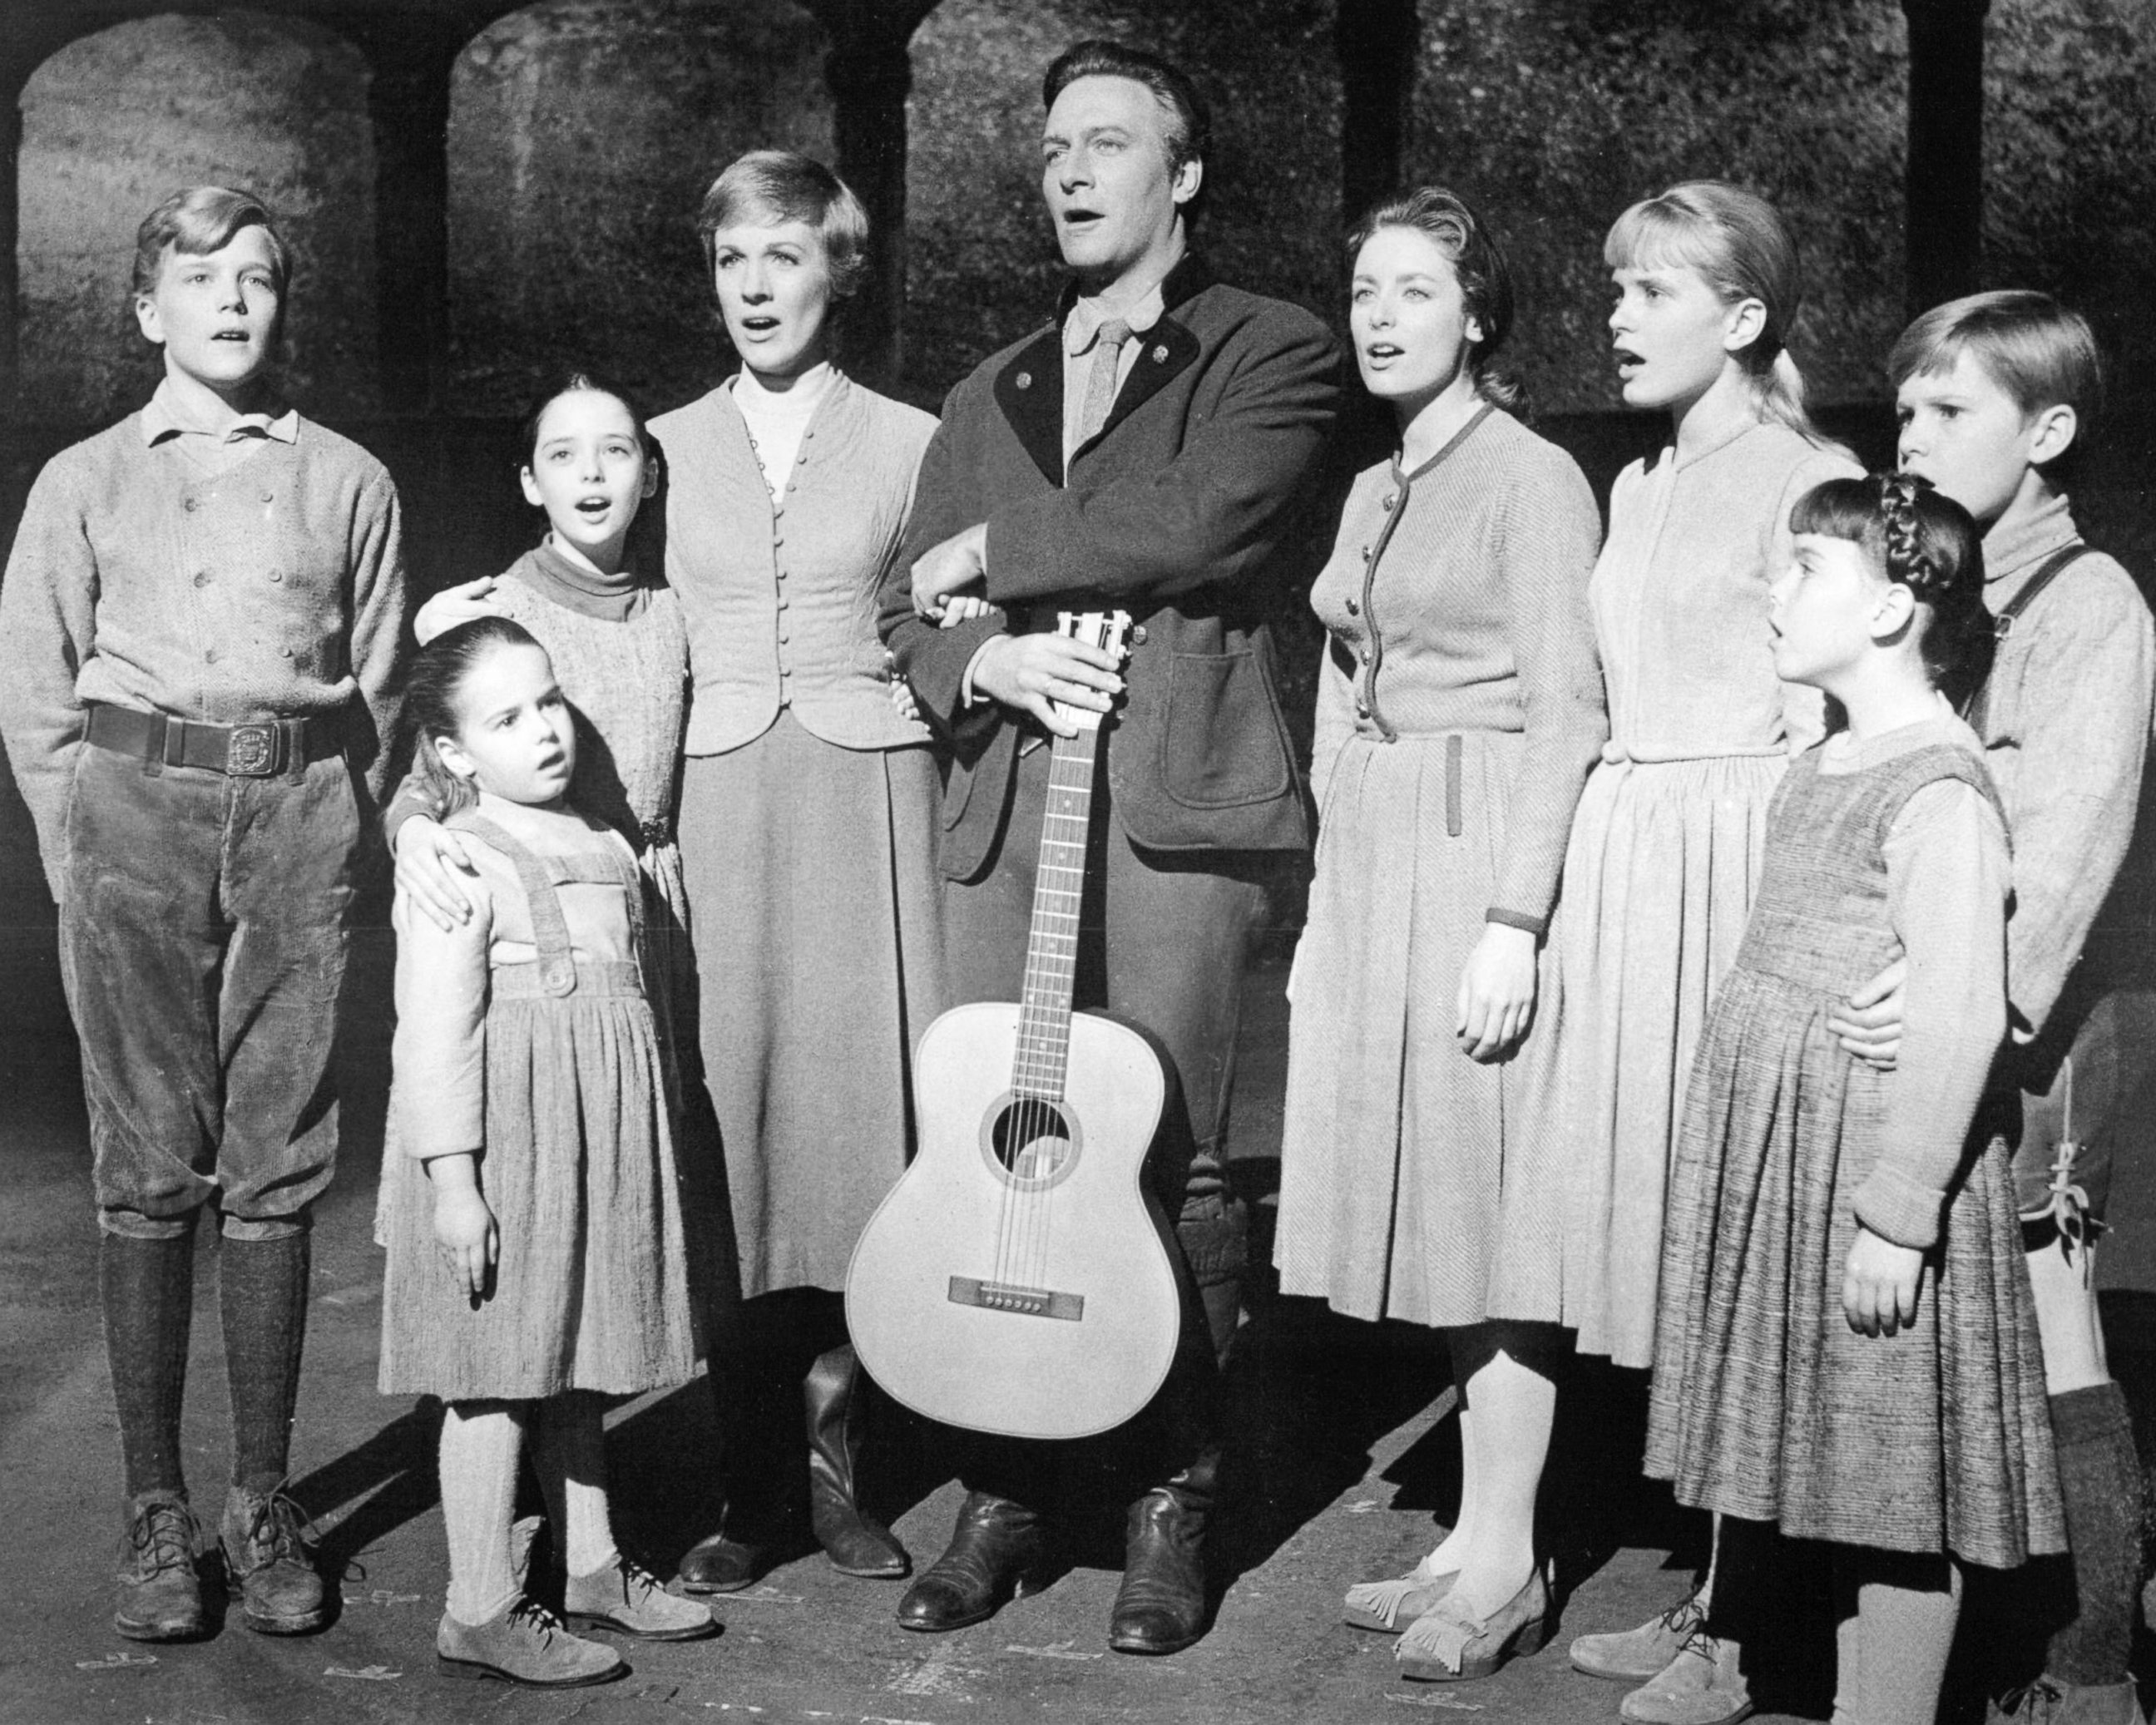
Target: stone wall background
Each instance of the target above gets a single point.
(582, 132)
(582, 135)
(116, 122)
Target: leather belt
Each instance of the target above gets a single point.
(259, 751)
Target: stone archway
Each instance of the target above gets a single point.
(115, 121)
(581, 135)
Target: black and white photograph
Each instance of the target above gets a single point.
(935, 862)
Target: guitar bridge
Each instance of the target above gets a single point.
(1008, 1296)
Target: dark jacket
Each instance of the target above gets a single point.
(1187, 511)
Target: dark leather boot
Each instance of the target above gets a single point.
(995, 1546)
(855, 1542)
(1160, 1607)
(759, 1526)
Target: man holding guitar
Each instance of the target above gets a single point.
(1150, 453)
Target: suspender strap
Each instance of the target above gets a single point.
(2053, 567)
(549, 929)
(1977, 709)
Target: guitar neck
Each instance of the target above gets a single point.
(1051, 951)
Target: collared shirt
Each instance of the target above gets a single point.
(1081, 330)
(212, 450)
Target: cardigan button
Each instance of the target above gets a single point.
(1389, 502)
(1366, 655)
(1354, 608)
(201, 577)
(1025, 380)
(1361, 709)
(268, 496)
(276, 574)
(191, 504)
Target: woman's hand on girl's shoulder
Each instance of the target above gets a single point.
(429, 859)
(464, 1226)
(1497, 1003)
(1879, 1284)
(453, 605)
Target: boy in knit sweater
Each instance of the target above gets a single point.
(199, 628)
(1993, 392)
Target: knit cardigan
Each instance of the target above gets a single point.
(779, 594)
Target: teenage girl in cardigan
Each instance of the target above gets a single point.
(1666, 847)
(1459, 709)
(537, 1259)
(1847, 1344)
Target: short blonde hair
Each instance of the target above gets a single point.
(200, 220)
(777, 183)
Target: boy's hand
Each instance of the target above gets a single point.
(1879, 1285)
(1869, 1023)
(1496, 1001)
(464, 1226)
(429, 857)
(963, 608)
(453, 605)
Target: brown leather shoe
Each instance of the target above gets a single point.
(159, 1597)
(1160, 1607)
(271, 1564)
(995, 1546)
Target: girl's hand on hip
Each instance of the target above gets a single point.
(1869, 1023)
(430, 858)
(1879, 1285)
(453, 605)
(1497, 1003)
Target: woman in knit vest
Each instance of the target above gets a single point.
(807, 848)
(1460, 710)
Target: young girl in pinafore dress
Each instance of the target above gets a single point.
(536, 1261)
(1846, 1342)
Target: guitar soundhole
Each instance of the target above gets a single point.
(1032, 1141)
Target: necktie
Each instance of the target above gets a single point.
(1101, 381)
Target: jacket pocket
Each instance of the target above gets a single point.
(1222, 744)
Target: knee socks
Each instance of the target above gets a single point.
(1897, 1617)
(569, 1446)
(481, 1443)
(263, 1297)
(2101, 1481)
(148, 1290)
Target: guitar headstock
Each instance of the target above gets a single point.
(1108, 630)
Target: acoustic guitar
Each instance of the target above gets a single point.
(1017, 1279)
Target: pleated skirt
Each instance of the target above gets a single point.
(1765, 1403)
(593, 1291)
(815, 913)
(1659, 877)
(1408, 1190)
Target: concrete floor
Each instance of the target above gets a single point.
(1346, 1462)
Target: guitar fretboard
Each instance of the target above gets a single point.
(1051, 951)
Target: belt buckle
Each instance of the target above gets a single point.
(250, 751)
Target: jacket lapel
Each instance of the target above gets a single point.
(1165, 350)
(1029, 390)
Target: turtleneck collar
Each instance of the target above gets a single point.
(566, 576)
(756, 402)
(2011, 549)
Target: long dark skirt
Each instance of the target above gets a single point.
(813, 908)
